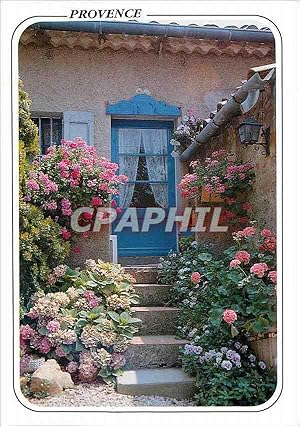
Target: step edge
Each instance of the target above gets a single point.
(154, 308)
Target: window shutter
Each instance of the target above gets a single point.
(79, 124)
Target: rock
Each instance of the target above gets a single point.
(49, 378)
(23, 381)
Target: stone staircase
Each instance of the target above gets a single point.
(153, 366)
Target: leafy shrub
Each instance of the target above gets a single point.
(41, 248)
(222, 299)
(87, 325)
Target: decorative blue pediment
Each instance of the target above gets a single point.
(142, 105)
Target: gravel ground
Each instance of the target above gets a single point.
(99, 394)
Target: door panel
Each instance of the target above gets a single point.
(142, 150)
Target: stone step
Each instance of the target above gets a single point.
(167, 382)
(157, 320)
(139, 260)
(143, 273)
(152, 294)
(153, 351)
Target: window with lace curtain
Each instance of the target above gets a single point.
(143, 157)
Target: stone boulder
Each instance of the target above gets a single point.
(49, 378)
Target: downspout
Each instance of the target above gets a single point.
(240, 102)
(160, 30)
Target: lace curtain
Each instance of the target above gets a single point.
(129, 142)
(155, 141)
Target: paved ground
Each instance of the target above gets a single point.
(99, 394)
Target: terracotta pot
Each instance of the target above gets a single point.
(210, 197)
(265, 347)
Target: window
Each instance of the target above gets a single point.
(50, 129)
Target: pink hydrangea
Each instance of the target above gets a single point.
(53, 326)
(51, 206)
(66, 234)
(273, 276)
(93, 303)
(195, 277)
(33, 314)
(26, 332)
(59, 352)
(247, 206)
(89, 294)
(266, 233)
(45, 345)
(96, 201)
(66, 207)
(72, 367)
(234, 263)
(259, 269)
(249, 231)
(243, 256)
(32, 184)
(229, 316)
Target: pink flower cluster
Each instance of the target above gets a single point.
(195, 277)
(72, 165)
(92, 299)
(246, 232)
(273, 276)
(233, 171)
(259, 269)
(188, 186)
(229, 316)
(243, 256)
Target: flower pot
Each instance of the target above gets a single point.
(210, 197)
(265, 347)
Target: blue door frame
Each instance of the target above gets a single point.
(155, 242)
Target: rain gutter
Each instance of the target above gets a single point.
(240, 102)
(160, 30)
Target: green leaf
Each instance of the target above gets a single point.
(81, 323)
(205, 256)
(79, 346)
(67, 348)
(234, 276)
(124, 317)
(114, 316)
(91, 284)
(43, 330)
(234, 331)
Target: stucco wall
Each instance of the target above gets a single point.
(61, 79)
(263, 194)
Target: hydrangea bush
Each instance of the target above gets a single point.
(223, 175)
(221, 300)
(70, 176)
(86, 325)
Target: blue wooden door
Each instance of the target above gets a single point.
(151, 183)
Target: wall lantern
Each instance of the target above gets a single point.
(249, 131)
